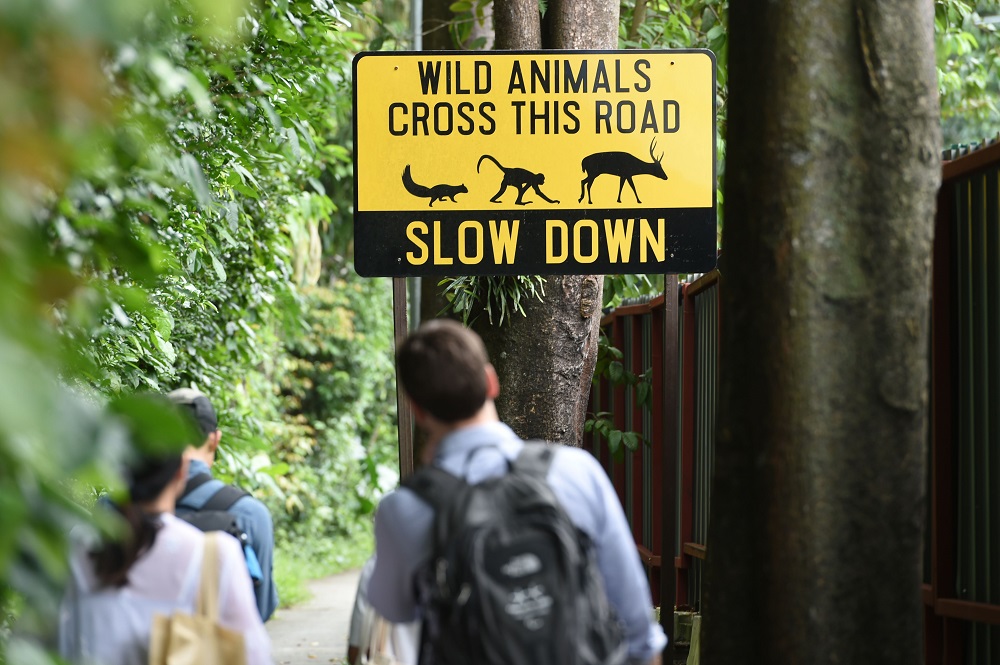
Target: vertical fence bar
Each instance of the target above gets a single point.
(646, 445)
(669, 405)
(687, 461)
(657, 438)
(628, 424)
(638, 487)
(939, 649)
(990, 577)
(618, 416)
(981, 406)
(991, 219)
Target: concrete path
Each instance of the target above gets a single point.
(315, 631)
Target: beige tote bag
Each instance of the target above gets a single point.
(198, 639)
(375, 647)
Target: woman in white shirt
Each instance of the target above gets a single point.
(117, 586)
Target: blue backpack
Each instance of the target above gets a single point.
(213, 515)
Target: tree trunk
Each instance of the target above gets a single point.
(581, 24)
(832, 169)
(546, 359)
(517, 24)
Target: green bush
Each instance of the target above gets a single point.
(338, 400)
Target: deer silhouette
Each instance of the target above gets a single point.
(622, 164)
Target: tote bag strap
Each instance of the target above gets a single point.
(208, 594)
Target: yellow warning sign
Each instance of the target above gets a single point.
(494, 149)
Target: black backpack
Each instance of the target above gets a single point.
(511, 580)
(213, 515)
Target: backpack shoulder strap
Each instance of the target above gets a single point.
(224, 498)
(535, 458)
(434, 486)
(193, 484)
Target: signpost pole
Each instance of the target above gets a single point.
(404, 414)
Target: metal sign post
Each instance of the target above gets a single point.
(404, 415)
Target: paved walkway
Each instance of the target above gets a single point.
(315, 631)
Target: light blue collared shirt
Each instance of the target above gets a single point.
(253, 517)
(403, 527)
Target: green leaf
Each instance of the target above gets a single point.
(631, 440)
(643, 392)
(614, 440)
(616, 371)
(220, 270)
(195, 177)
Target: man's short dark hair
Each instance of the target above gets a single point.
(442, 367)
(196, 403)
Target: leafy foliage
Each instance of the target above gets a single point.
(610, 366)
(338, 397)
(468, 295)
(169, 170)
(968, 59)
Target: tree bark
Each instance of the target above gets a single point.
(546, 359)
(581, 24)
(815, 538)
(517, 24)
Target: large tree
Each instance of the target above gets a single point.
(832, 169)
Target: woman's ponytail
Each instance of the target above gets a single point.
(147, 479)
(114, 558)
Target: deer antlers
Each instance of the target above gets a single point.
(652, 146)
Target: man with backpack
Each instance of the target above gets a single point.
(510, 553)
(212, 505)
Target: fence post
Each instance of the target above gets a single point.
(668, 549)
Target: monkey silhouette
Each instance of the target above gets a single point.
(621, 164)
(435, 193)
(520, 179)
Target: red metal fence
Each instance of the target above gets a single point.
(962, 573)
(678, 340)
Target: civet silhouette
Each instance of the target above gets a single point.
(435, 193)
(519, 178)
(622, 164)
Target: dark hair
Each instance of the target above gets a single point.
(441, 366)
(147, 478)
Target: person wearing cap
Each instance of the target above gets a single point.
(251, 515)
